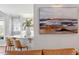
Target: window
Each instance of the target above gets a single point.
(1, 30)
(16, 26)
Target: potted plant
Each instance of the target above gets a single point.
(26, 26)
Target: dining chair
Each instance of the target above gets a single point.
(19, 45)
(9, 45)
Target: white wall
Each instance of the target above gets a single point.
(7, 26)
(51, 41)
(58, 12)
(17, 9)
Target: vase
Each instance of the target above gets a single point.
(28, 32)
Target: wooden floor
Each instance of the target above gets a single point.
(2, 50)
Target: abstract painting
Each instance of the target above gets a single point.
(58, 20)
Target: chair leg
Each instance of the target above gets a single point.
(8, 48)
(21, 49)
(5, 49)
(27, 48)
(13, 48)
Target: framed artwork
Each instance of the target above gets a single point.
(58, 20)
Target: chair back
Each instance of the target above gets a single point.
(17, 44)
(9, 42)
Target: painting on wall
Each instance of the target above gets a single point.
(58, 20)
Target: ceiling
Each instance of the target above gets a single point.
(17, 9)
